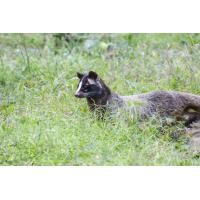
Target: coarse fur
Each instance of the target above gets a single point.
(181, 105)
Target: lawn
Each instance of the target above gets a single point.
(42, 123)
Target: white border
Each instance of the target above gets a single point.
(99, 183)
(100, 16)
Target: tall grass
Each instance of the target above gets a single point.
(42, 123)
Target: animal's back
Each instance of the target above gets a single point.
(164, 102)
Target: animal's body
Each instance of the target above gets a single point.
(183, 106)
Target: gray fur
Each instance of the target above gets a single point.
(183, 106)
(164, 103)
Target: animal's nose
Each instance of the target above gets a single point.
(78, 94)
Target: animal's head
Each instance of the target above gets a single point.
(89, 86)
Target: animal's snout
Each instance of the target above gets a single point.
(79, 94)
(76, 95)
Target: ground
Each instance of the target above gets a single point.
(42, 123)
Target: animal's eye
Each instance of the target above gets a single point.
(85, 88)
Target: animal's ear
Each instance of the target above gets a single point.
(93, 75)
(79, 75)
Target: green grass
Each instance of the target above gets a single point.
(42, 123)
